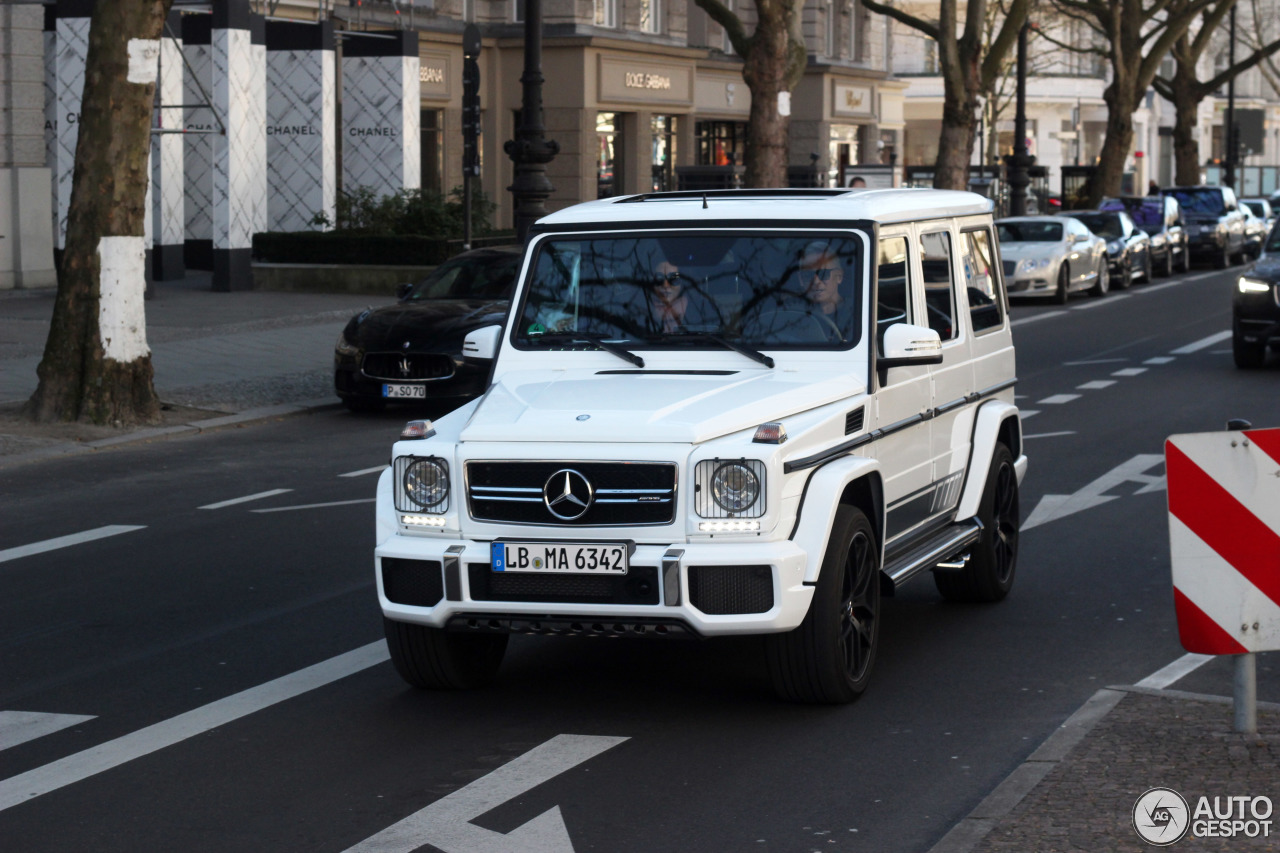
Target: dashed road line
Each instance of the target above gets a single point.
(107, 756)
(67, 541)
(1130, 371)
(1045, 316)
(1093, 361)
(364, 471)
(1160, 359)
(1096, 385)
(316, 506)
(1029, 413)
(1203, 343)
(1050, 434)
(1058, 399)
(21, 726)
(259, 496)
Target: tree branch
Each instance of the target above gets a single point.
(731, 23)
(932, 30)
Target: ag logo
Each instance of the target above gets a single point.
(1161, 817)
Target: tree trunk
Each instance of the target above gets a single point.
(770, 69)
(955, 144)
(1106, 180)
(96, 364)
(1186, 151)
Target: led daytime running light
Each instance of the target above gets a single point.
(728, 526)
(1251, 285)
(422, 520)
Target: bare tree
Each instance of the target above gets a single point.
(1136, 36)
(1004, 87)
(96, 364)
(774, 57)
(969, 64)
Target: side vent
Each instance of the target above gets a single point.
(853, 421)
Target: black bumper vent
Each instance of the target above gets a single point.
(724, 590)
(638, 586)
(415, 582)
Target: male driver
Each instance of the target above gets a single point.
(821, 274)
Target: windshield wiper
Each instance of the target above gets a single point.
(598, 340)
(754, 355)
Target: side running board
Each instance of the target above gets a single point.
(943, 547)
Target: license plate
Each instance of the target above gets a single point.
(411, 392)
(559, 558)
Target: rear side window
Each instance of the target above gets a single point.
(985, 311)
(893, 293)
(939, 283)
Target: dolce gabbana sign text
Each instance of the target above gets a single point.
(641, 80)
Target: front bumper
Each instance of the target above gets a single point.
(1256, 316)
(703, 588)
(349, 382)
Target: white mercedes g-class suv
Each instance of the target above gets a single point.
(721, 413)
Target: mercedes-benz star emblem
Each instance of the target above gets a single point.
(567, 494)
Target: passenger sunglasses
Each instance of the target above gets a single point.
(821, 275)
(672, 278)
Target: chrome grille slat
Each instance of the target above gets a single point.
(625, 493)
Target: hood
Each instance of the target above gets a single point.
(647, 405)
(1267, 268)
(1018, 251)
(1202, 218)
(436, 324)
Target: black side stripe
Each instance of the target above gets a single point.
(845, 447)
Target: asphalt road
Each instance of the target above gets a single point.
(208, 675)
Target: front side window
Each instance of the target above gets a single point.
(939, 283)
(893, 290)
(762, 291)
(981, 285)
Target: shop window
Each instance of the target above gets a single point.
(432, 151)
(720, 143)
(606, 157)
(664, 152)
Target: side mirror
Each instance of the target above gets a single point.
(403, 288)
(1081, 238)
(905, 344)
(483, 343)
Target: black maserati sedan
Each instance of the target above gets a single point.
(412, 351)
(1255, 307)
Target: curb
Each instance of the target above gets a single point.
(248, 416)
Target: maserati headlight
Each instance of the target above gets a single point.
(1252, 285)
(729, 488)
(422, 484)
(344, 346)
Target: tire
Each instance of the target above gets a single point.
(1167, 269)
(1247, 356)
(1104, 280)
(1148, 266)
(1186, 258)
(1222, 260)
(1126, 277)
(1063, 293)
(993, 562)
(828, 659)
(436, 659)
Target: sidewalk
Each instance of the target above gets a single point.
(224, 358)
(215, 355)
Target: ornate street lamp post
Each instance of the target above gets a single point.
(531, 151)
(1019, 162)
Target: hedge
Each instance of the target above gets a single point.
(334, 247)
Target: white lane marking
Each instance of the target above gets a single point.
(1160, 359)
(316, 506)
(361, 473)
(1199, 277)
(1085, 306)
(1045, 316)
(1092, 361)
(446, 823)
(1129, 371)
(1050, 434)
(66, 541)
(1096, 385)
(21, 726)
(90, 762)
(1053, 507)
(1057, 399)
(1183, 666)
(259, 496)
(1203, 343)
(1028, 413)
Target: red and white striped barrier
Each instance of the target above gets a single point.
(1224, 539)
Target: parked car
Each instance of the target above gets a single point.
(1051, 256)
(1214, 223)
(1161, 218)
(1262, 208)
(1255, 307)
(412, 350)
(766, 470)
(1255, 231)
(1128, 246)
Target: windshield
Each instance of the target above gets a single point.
(1147, 213)
(1257, 208)
(1202, 200)
(1029, 232)
(1273, 240)
(1105, 225)
(487, 276)
(760, 291)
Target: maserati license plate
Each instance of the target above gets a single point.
(411, 392)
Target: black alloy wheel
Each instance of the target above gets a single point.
(1063, 293)
(828, 659)
(1186, 257)
(988, 575)
(1167, 269)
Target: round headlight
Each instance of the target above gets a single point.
(734, 487)
(426, 482)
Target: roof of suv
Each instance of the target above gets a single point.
(776, 206)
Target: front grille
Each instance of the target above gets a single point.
(400, 367)
(415, 582)
(1010, 267)
(625, 493)
(638, 586)
(722, 590)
